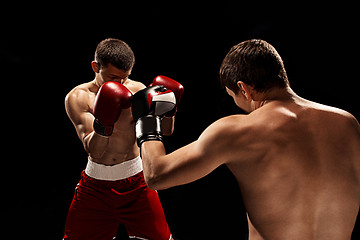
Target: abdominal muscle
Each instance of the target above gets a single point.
(122, 143)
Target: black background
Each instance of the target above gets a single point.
(47, 50)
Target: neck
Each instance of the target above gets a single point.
(95, 86)
(279, 94)
(96, 82)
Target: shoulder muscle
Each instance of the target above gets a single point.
(219, 137)
(76, 103)
(134, 86)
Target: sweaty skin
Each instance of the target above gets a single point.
(297, 164)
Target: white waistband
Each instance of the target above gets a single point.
(116, 172)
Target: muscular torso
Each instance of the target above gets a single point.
(298, 167)
(122, 143)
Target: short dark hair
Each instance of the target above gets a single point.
(254, 62)
(115, 52)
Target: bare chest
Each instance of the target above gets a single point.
(122, 143)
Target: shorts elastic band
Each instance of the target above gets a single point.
(116, 172)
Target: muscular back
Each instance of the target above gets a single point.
(298, 167)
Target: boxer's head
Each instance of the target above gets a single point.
(113, 61)
(255, 63)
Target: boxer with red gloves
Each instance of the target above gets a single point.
(112, 189)
(110, 100)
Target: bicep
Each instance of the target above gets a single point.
(193, 162)
(182, 166)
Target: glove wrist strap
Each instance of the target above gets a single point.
(102, 129)
(148, 128)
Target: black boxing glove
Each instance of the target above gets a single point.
(148, 108)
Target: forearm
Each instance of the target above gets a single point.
(95, 144)
(151, 151)
(162, 171)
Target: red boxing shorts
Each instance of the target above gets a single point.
(99, 206)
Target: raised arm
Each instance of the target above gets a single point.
(78, 110)
(95, 129)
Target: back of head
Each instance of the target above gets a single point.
(115, 52)
(256, 63)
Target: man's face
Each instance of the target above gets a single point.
(111, 73)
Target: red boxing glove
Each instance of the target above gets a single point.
(170, 84)
(110, 100)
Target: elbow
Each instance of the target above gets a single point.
(155, 165)
(151, 184)
(95, 147)
(155, 186)
(152, 181)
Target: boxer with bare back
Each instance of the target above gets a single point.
(297, 162)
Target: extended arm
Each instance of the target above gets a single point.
(186, 164)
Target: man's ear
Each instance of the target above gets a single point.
(245, 89)
(95, 66)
